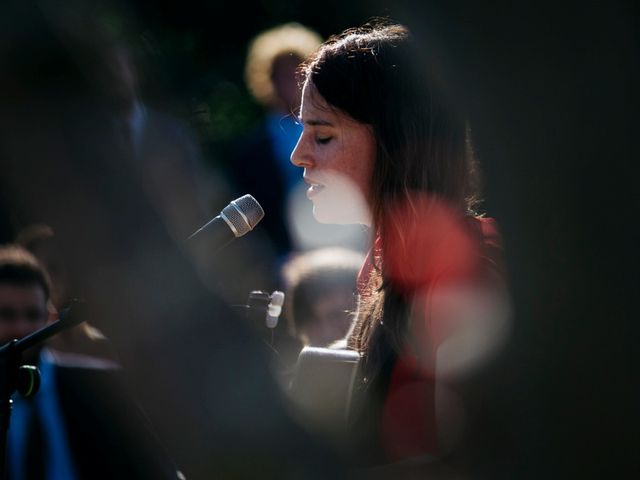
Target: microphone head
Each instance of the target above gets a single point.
(242, 214)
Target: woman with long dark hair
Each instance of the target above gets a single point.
(380, 147)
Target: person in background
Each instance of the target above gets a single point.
(156, 146)
(320, 301)
(260, 165)
(320, 294)
(80, 424)
(85, 340)
(381, 147)
(160, 152)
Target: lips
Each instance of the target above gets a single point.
(314, 187)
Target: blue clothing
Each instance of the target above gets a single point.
(284, 132)
(58, 462)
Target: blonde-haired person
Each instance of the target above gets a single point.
(260, 162)
(274, 55)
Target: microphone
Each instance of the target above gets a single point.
(235, 220)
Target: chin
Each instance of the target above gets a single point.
(335, 217)
(341, 203)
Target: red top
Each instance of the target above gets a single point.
(438, 263)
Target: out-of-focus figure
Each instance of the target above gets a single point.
(85, 339)
(157, 146)
(261, 163)
(320, 294)
(160, 152)
(80, 424)
(25, 290)
(39, 239)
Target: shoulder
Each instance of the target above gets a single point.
(161, 129)
(80, 361)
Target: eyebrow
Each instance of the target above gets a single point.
(316, 123)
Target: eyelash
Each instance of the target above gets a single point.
(323, 140)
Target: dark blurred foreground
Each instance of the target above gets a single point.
(551, 93)
(197, 370)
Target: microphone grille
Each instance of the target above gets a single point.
(244, 214)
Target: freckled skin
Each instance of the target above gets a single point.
(337, 153)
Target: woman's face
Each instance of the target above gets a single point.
(337, 154)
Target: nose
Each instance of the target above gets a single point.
(300, 156)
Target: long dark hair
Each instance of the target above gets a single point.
(373, 75)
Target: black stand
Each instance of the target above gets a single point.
(257, 311)
(25, 379)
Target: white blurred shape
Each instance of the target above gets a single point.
(307, 233)
(274, 309)
(478, 325)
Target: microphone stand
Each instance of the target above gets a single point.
(22, 378)
(263, 309)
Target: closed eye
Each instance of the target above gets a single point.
(323, 140)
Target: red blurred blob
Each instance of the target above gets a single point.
(424, 241)
(408, 423)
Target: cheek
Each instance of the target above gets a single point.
(359, 167)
